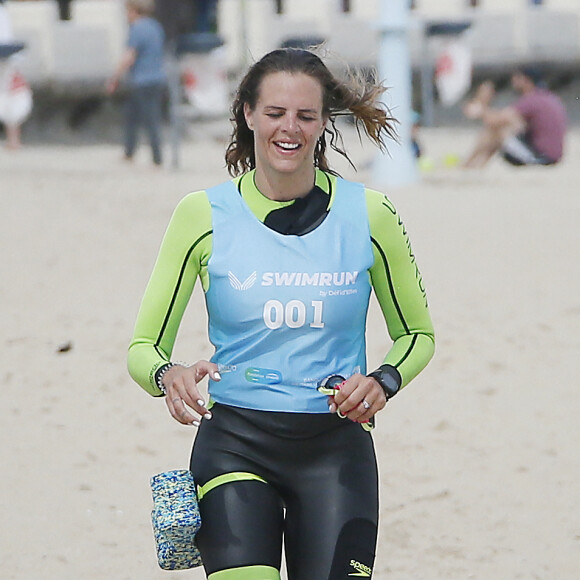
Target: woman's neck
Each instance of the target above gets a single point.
(284, 187)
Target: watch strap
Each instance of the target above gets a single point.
(389, 378)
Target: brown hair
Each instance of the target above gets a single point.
(356, 96)
(142, 7)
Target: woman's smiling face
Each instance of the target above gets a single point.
(287, 122)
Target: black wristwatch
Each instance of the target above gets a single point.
(389, 378)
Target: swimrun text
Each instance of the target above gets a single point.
(305, 279)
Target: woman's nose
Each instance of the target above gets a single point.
(290, 123)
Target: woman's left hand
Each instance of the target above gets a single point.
(359, 398)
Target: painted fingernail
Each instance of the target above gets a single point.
(195, 423)
(217, 376)
(201, 402)
(332, 408)
(207, 416)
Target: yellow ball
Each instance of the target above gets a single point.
(451, 160)
(426, 164)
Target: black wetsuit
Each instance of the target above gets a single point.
(319, 492)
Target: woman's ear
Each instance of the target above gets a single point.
(248, 115)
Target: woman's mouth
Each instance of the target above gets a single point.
(287, 146)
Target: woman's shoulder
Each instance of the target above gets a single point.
(193, 211)
(197, 206)
(384, 221)
(378, 202)
(194, 201)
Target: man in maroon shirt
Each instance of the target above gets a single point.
(529, 132)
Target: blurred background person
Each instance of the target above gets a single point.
(415, 134)
(529, 132)
(143, 65)
(15, 93)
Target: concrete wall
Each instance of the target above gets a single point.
(84, 51)
(502, 31)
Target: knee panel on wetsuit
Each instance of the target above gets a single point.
(247, 573)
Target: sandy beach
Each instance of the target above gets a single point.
(478, 456)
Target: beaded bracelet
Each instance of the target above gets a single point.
(161, 373)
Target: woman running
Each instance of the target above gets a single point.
(287, 253)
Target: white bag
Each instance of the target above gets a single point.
(15, 95)
(453, 72)
(205, 83)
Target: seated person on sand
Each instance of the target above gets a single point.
(529, 132)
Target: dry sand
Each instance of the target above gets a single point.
(478, 456)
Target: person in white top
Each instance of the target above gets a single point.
(15, 94)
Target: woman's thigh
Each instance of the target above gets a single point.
(332, 515)
(241, 526)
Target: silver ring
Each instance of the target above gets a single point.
(366, 404)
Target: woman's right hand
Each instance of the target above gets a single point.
(182, 394)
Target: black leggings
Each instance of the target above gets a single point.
(318, 490)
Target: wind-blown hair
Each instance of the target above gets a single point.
(356, 95)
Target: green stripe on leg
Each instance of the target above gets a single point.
(226, 478)
(247, 573)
